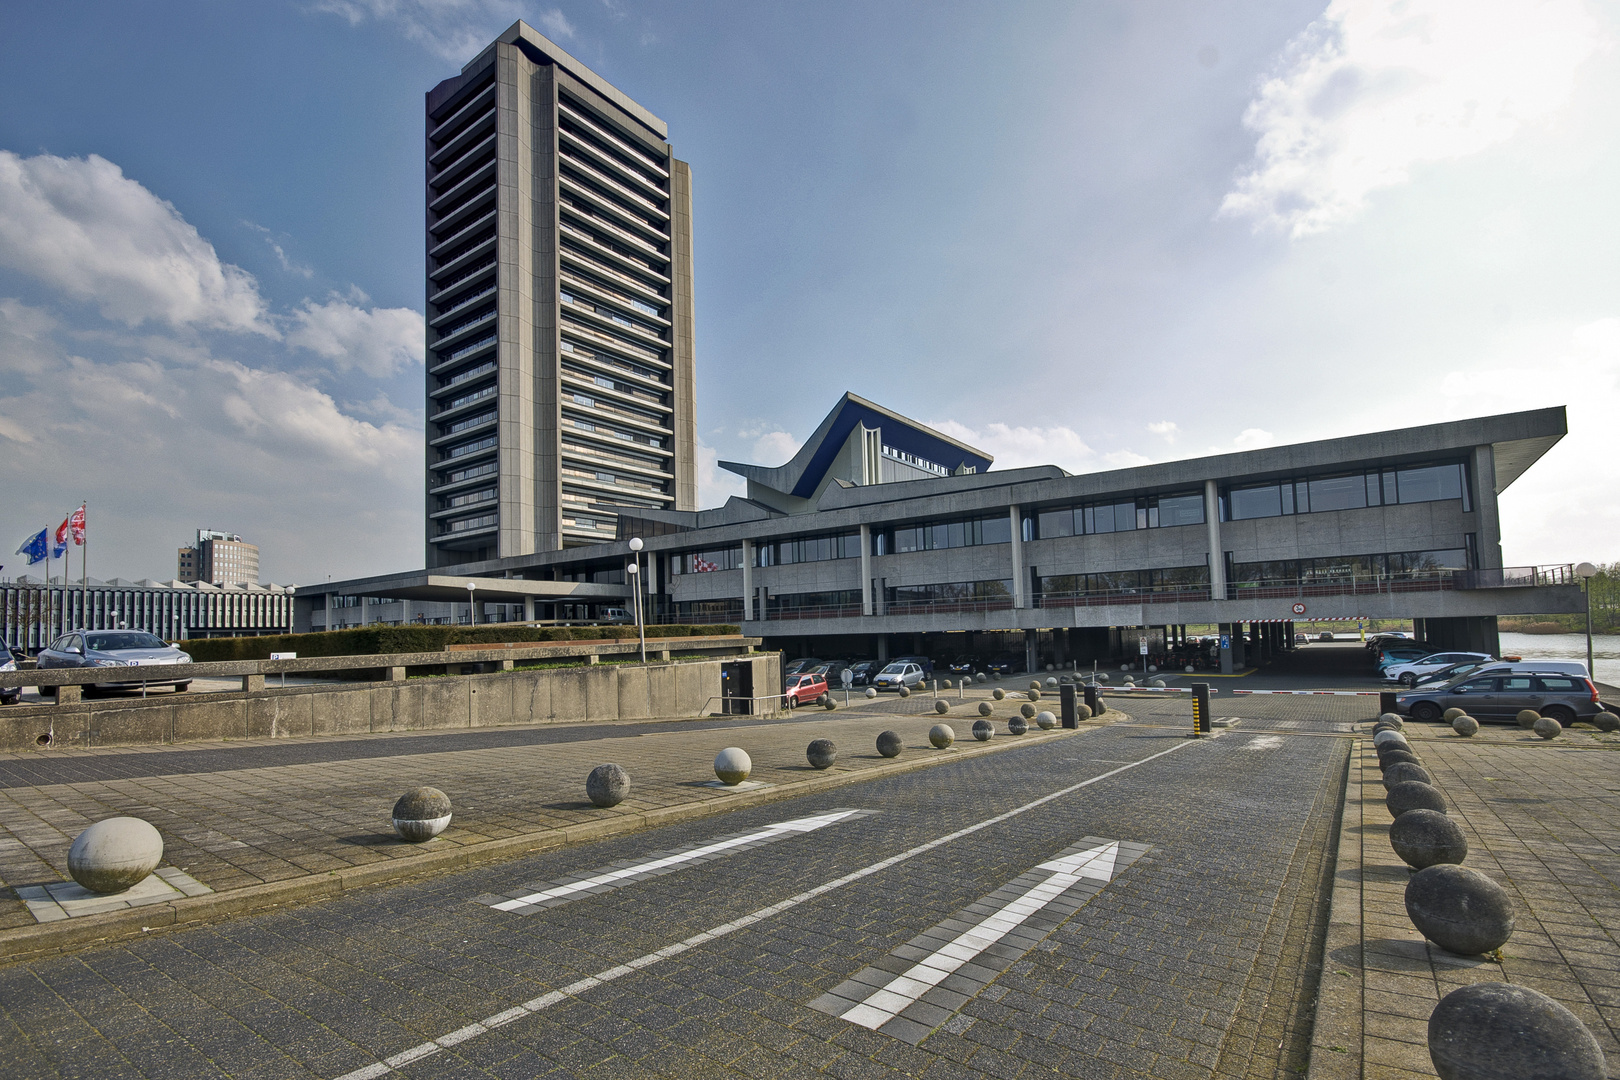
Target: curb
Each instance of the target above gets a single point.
(30, 942)
(1336, 1033)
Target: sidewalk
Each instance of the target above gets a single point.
(1542, 819)
(304, 829)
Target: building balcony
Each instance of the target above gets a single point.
(635, 153)
(450, 126)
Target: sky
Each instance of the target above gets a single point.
(1085, 234)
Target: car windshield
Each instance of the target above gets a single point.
(893, 669)
(114, 642)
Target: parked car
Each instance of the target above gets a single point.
(926, 663)
(617, 616)
(113, 648)
(1387, 637)
(801, 665)
(863, 671)
(1514, 665)
(1407, 672)
(804, 689)
(1005, 664)
(9, 695)
(963, 665)
(1301, 639)
(899, 673)
(1326, 635)
(1454, 671)
(1400, 654)
(1501, 696)
(832, 671)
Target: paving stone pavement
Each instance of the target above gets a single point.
(1161, 973)
(1543, 820)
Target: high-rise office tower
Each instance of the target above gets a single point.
(559, 307)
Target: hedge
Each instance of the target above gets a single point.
(373, 640)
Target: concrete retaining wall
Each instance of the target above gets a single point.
(597, 692)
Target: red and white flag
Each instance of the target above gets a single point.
(76, 523)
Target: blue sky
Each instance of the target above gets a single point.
(1086, 234)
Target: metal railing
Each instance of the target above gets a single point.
(1156, 594)
(1515, 577)
(1284, 588)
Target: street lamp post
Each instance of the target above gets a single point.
(635, 592)
(1586, 572)
(472, 612)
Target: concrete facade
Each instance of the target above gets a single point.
(560, 369)
(33, 613)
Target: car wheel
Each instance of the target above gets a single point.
(1426, 711)
(1561, 713)
(793, 702)
(47, 691)
(181, 687)
(1408, 679)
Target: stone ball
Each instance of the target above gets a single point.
(947, 684)
(821, 753)
(940, 735)
(888, 744)
(1392, 719)
(998, 693)
(1527, 718)
(1051, 667)
(1414, 795)
(1103, 676)
(1451, 714)
(1046, 721)
(1017, 725)
(1390, 757)
(421, 814)
(941, 707)
(1606, 721)
(1459, 909)
(1051, 684)
(980, 677)
(1189, 669)
(1402, 771)
(1424, 838)
(1124, 667)
(828, 703)
(983, 729)
(1035, 684)
(871, 691)
(732, 765)
(1153, 668)
(1547, 728)
(1130, 680)
(1385, 737)
(1490, 1030)
(608, 785)
(904, 690)
(1034, 695)
(114, 854)
(1027, 711)
(1157, 684)
(1465, 725)
(1083, 711)
(984, 708)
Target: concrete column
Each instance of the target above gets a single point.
(1488, 537)
(748, 580)
(396, 674)
(1217, 557)
(68, 695)
(252, 683)
(528, 608)
(328, 611)
(866, 570)
(1017, 556)
(1225, 630)
(1030, 659)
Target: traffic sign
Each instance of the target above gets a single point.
(1226, 641)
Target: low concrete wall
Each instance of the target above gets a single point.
(598, 692)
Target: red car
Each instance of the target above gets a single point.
(804, 689)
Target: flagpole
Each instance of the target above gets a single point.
(84, 563)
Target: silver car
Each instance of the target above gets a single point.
(1500, 695)
(113, 648)
(898, 674)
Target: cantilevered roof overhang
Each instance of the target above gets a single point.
(449, 588)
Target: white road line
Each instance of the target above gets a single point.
(901, 992)
(546, 1001)
(769, 832)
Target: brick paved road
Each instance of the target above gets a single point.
(1168, 971)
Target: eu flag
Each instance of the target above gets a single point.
(34, 547)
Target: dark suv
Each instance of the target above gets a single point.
(1501, 696)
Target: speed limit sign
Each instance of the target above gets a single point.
(1299, 609)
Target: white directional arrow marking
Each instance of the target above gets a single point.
(885, 1004)
(653, 866)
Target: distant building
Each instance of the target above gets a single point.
(219, 559)
(34, 612)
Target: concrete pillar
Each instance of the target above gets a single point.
(748, 580)
(1488, 537)
(506, 665)
(1227, 654)
(866, 570)
(67, 695)
(328, 612)
(1217, 557)
(396, 674)
(883, 648)
(528, 608)
(1017, 555)
(252, 683)
(1030, 659)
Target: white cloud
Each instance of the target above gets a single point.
(281, 253)
(1021, 447)
(775, 448)
(376, 341)
(715, 485)
(1165, 429)
(454, 29)
(1374, 88)
(81, 226)
(1253, 439)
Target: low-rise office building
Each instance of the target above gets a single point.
(884, 536)
(33, 612)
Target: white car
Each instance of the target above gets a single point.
(898, 674)
(1409, 672)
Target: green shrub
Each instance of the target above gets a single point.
(373, 640)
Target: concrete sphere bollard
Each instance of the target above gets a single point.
(940, 735)
(1034, 695)
(1459, 909)
(1027, 711)
(1606, 721)
(998, 693)
(982, 730)
(1083, 711)
(1188, 669)
(1403, 771)
(1387, 736)
(821, 753)
(828, 703)
(1017, 725)
(1465, 726)
(1152, 668)
(947, 685)
(984, 708)
(1451, 714)
(980, 677)
(1051, 684)
(904, 690)
(1496, 1030)
(1424, 838)
(421, 814)
(1103, 676)
(1391, 757)
(941, 707)
(1045, 720)
(1547, 728)
(114, 854)
(888, 744)
(871, 692)
(607, 785)
(1035, 685)
(1130, 681)
(1412, 795)
(1392, 719)
(1157, 684)
(1124, 667)
(1527, 718)
(732, 765)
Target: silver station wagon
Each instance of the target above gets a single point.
(115, 648)
(1502, 695)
